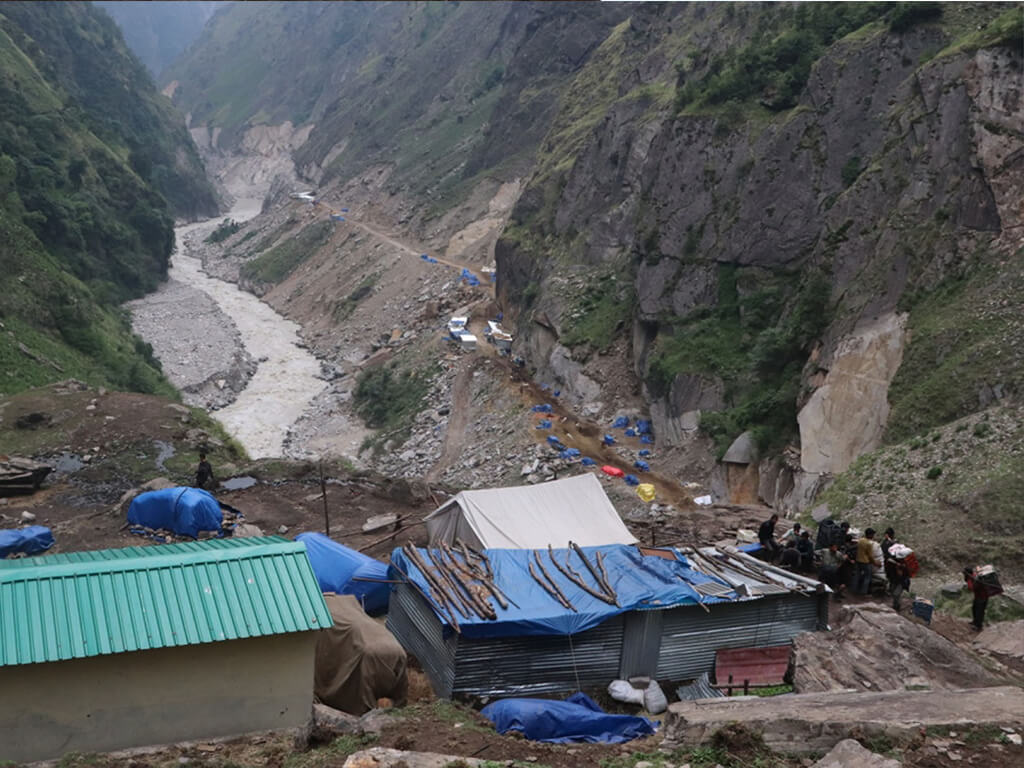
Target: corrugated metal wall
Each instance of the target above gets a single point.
(641, 642)
(532, 665)
(690, 636)
(421, 633)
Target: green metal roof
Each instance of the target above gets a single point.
(81, 604)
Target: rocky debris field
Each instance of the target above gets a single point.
(198, 345)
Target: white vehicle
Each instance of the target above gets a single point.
(498, 336)
(308, 197)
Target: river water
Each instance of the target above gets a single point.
(285, 381)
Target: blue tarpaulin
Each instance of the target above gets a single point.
(608, 440)
(643, 427)
(545, 408)
(552, 440)
(344, 210)
(587, 461)
(557, 393)
(644, 452)
(630, 432)
(186, 511)
(639, 581)
(632, 480)
(569, 453)
(338, 569)
(30, 540)
(577, 719)
(544, 424)
(646, 439)
(643, 466)
(621, 423)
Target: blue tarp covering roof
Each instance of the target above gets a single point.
(640, 583)
(337, 567)
(577, 719)
(26, 541)
(186, 511)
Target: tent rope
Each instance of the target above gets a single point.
(575, 671)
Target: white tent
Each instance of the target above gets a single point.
(531, 516)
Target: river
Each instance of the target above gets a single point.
(285, 381)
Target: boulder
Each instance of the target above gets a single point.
(816, 722)
(850, 754)
(156, 484)
(743, 450)
(329, 723)
(873, 648)
(1005, 638)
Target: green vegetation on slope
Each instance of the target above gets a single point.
(756, 344)
(966, 349)
(81, 229)
(276, 264)
(774, 66)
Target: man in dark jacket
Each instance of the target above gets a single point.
(766, 535)
(981, 595)
(204, 472)
(805, 547)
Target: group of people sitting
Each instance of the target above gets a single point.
(847, 564)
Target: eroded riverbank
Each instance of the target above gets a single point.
(226, 349)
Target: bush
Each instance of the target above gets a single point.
(906, 15)
(934, 473)
(385, 398)
(851, 170)
(224, 230)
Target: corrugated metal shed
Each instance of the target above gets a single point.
(84, 604)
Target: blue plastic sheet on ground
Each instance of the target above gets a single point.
(577, 719)
(424, 256)
(644, 452)
(25, 541)
(621, 423)
(337, 217)
(630, 432)
(641, 583)
(186, 511)
(643, 466)
(569, 453)
(643, 426)
(750, 548)
(339, 569)
(587, 461)
(632, 480)
(544, 424)
(554, 441)
(608, 440)
(545, 408)
(557, 393)
(647, 439)
(344, 210)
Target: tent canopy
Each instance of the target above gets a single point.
(341, 570)
(531, 516)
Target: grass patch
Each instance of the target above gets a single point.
(331, 754)
(281, 260)
(343, 309)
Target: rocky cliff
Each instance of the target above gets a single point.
(744, 220)
(756, 265)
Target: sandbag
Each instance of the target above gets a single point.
(577, 719)
(358, 660)
(622, 690)
(655, 701)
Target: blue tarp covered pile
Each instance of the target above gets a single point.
(469, 277)
(642, 465)
(185, 511)
(587, 461)
(554, 442)
(643, 427)
(545, 408)
(621, 423)
(338, 569)
(544, 424)
(576, 719)
(608, 440)
(639, 582)
(25, 541)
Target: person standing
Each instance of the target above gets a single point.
(832, 566)
(887, 541)
(898, 576)
(865, 561)
(981, 593)
(204, 472)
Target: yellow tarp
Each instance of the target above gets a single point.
(645, 491)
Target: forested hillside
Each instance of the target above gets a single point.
(94, 165)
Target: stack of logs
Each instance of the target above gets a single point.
(604, 591)
(460, 582)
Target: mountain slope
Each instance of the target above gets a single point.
(86, 146)
(157, 32)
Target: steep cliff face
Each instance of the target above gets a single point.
(764, 259)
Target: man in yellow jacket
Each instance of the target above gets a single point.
(865, 562)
